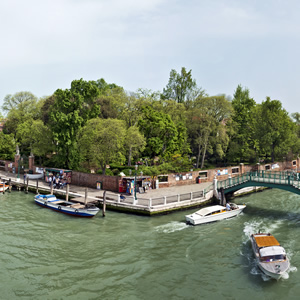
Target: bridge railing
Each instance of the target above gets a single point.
(276, 177)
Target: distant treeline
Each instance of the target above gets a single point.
(95, 124)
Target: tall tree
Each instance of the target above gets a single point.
(243, 141)
(181, 87)
(71, 109)
(274, 129)
(102, 142)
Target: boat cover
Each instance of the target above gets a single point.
(270, 251)
(266, 241)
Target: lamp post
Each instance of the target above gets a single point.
(136, 167)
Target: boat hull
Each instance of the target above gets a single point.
(61, 208)
(193, 219)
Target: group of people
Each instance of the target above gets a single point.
(58, 181)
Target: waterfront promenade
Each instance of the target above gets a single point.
(154, 201)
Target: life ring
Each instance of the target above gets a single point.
(76, 211)
(59, 207)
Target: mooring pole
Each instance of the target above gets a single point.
(37, 186)
(104, 204)
(9, 185)
(67, 192)
(3, 186)
(85, 196)
(27, 181)
(51, 187)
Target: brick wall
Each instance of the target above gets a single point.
(110, 183)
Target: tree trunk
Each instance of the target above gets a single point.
(198, 156)
(129, 157)
(203, 155)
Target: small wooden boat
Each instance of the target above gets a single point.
(3, 187)
(67, 207)
(214, 213)
(269, 254)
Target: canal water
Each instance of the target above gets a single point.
(47, 255)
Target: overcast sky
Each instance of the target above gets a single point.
(45, 44)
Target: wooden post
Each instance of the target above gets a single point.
(27, 179)
(9, 183)
(85, 196)
(67, 192)
(3, 186)
(104, 204)
(51, 187)
(37, 186)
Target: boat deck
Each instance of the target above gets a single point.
(266, 241)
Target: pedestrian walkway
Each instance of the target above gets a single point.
(152, 202)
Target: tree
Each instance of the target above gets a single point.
(71, 109)
(160, 132)
(18, 100)
(134, 143)
(181, 87)
(101, 141)
(7, 146)
(34, 135)
(274, 129)
(207, 117)
(243, 140)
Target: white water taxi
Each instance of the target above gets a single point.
(270, 255)
(214, 213)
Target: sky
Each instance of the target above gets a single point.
(46, 44)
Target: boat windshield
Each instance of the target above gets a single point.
(273, 258)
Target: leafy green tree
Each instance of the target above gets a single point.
(181, 87)
(207, 117)
(19, 100)
(134, 143)
(274, 129)
(7, 146)
(71, 109)
(243, 141)
(34, 135)
(160, 132)
(28, 108)
(101, 141)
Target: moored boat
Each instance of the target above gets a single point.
(270, 256)
(3, 187)
(214, 213)
(67, 207)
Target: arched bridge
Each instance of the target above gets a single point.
(286, 180)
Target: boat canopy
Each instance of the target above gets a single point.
(271, 251)
(210, 209)
(266, 241)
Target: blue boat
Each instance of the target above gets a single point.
(67, 207)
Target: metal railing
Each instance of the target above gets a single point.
(275, 177)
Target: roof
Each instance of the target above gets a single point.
(210, 209)
(270, 251)
(266, 241)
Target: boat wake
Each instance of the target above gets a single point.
(171, 227)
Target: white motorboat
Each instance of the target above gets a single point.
(214, 213)
(269, 254)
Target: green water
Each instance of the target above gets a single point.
(47, 255)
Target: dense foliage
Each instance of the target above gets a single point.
(95, 124)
